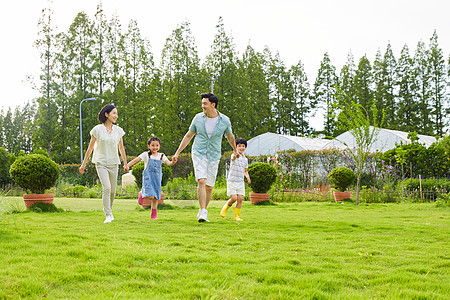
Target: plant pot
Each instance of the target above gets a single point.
(31, 199)
(147, 203)
(257, 197)
(339, 196)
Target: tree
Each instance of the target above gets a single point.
(183, 81)
(255, 106)
(325, 91)
(384, 78)
(407, 105)
(363, 84)
(300, 95)
(438, 81)
(421, 87)
(221, 66)
(364, 126)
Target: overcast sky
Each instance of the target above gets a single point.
(299, 29)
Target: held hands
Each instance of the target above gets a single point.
(175, 158)
(126, 168)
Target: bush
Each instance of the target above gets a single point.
(431, 187)
(341, 178)
(262, 176)
(78, 190)
(34, 172)
(5, 162)
(70, 173)
(138, 168)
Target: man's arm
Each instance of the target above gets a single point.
(186, 139)
(232, 142)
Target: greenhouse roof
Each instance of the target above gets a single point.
(268, 143)
(386, 140)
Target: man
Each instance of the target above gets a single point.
(208, 128)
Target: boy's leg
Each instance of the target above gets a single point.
(226, 206)
(239, 199)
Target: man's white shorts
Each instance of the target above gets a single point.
(235, 188)
(205, 169)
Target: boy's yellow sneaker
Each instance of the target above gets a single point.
(237, 212)
(224, 210)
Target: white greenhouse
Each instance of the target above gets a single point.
(386, 140)
(267, 143)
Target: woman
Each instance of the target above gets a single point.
(105, 139)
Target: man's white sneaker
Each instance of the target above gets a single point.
(108, 219)
(203, 216)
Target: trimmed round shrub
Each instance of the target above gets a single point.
(138, 168)
(34, 172)
(341, 178)
(262, 175)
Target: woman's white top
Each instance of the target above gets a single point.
(144, 157)
(106, 147)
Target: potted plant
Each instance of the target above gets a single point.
(35, 173)
(341, 179)
(262, 176)
(137, 170)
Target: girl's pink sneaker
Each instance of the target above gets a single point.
(140, 200)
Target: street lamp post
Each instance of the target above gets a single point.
(81, 129)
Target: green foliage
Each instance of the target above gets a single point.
(166, 174)
(70, 173)
(432, 186)
(341, 178)
(34, 172)
(45, 207)
(6, 160)
(136, 171)
(419, 160)
(262, 176)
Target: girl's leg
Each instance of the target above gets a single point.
(103, 176)
(154, 208)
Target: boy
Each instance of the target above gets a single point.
(235, 180)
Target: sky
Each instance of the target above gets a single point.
(300, 30)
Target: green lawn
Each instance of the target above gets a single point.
(287, 251)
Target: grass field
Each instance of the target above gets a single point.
(310, 250)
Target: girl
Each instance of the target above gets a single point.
(152, 175)
(105, 139)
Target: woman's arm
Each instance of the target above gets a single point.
(124, 156)
(88, 153)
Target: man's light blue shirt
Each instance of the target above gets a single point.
(205, 146)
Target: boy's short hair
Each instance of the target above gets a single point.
(153, 138)
(241, 141)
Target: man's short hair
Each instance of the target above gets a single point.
(211, 97)
(241, 141)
